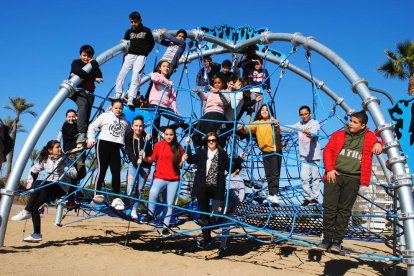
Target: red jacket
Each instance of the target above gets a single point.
(163, 155)
(336, 144)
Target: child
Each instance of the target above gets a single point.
(205, 76)
(272, 161)
(111, 138)
(310, 153)
(141, 44)
(169, 157)
(249, 52)
(55, 165)
(83, 99)
(226, 74)
(348, 161)
(163, 95)
(135, 141)
(214, 109)
(176, 46)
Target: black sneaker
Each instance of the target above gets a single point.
(336, 247)
(221, 252)
(147, 218)
(324, 245)
(305, 203)
(313, 202)
(165, 233)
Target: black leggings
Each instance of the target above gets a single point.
(204, 194)
(108, 155)
(40, 197)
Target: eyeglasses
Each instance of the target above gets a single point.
(211, 140)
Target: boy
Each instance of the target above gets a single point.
(141, 44)
(348, 160)
(84, 98)
(225, 73)
(176, 46)
(205, 76)
(310, 153)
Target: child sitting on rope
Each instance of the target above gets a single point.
(135, 141)
(84, 99)
(213, 112)
(162, 97)
(266, 129)
(111, 126)
(310, 153)
(59, 172)
(348, 163)
(141, 44)
(176, 46)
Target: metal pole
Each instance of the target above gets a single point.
(65, 89)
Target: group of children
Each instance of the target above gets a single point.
(347, 156)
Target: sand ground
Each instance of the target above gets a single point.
(97, 247)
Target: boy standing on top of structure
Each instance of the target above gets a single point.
(175, 48)
(348, 160)
(310, 153)
(141, 44)
(84, 99)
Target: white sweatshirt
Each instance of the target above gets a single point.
(112, 128)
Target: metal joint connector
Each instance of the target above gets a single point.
(350, 112)
(198, 35)
(285, 63)
(306, 44)
(395, 160)
(392, 144)
(339, 100)
(356, 83)
(264, 37)
(369, 100)
(293, 39)
(407, 253)
(68, 85)
(7, 192)
(126, 44)
(405, 216)
(320, 84)
(386, 126)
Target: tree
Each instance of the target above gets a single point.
(34, 155)
(400, 64)
(19, 106)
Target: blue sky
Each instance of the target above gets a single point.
(40, 39)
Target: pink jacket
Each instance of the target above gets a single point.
(214, 102)
(157, 90)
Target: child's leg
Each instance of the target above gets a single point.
(103, 156)
(115, 166)
(137, 69)
(304, 175)
(272, 165)
(331, 195)
(158, 186)
(130, 178)
(126, 67)
(143, 176)
(349, 191)
(84, 103)
(315, 179)
(172, 188)
(204, 194)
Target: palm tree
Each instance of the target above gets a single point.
(400, 64)
(34, 155)
(19, 106)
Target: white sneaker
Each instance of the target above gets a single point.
(98, 199)
(118, 204)
(116, 97)
(130, 103)
(134, 214)
(34, 237)
(22, 215)
(272, 199)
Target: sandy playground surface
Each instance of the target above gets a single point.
(97, 247)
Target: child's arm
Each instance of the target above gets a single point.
(33, 174)
(151, 41)
(158, 78)
(76, 68)
(200, 94)
(170, 37)
(377, 148)
(267, 82)
(152, 158)
(329, 159)
(247, 64)
(93, 129)
(71, 171)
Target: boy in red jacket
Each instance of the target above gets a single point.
(348, 160)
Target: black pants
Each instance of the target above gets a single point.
(108, 155)
(40, 197)
(84, 101)
(157, 120)
(204, 194)
(207, 126)
(272, 165)
(338, 200)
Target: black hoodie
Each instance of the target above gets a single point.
(141, 40)
(133, 146)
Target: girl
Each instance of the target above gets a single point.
(111, 138)
(57, 167)
(209, 181)
(272, 162)
(134, 142)
(163, 99)
(169, 157)
(213, 111)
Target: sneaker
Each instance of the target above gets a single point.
(130, 103)
(134, 214)
(116, 97)
(147, 218)
(221, 252)
(22, 215)
(205, 243)
(79, 147)
(305, 203)
(324, 244)
(98, 199)
(336, 247)
(81, 138)
(272, 199)
(118, 204)
(165, 233)
(34, 237)
(313, 202)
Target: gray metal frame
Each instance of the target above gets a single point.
(396, 162)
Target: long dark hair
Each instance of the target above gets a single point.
(158, 68)
(258, 116)
(175, 148)
(44, 153)
(215, 136)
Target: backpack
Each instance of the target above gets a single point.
(7, 140)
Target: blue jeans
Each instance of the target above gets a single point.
(157, 187)
(141, 178)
